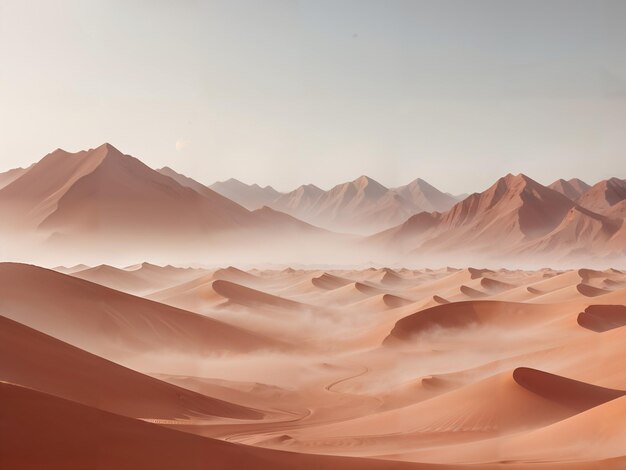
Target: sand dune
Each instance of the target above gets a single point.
(108, 322)
(590, 291)
(569, 293)
(279, 364)
(450, 282)
(350, 293)
(602, 318)
(577, 395)
(393, 279)
(41, 362)
(142, 280)
(71, 269)
(472, 293)
(394, 301)
(504, 404)
(460, 315)
(242, 295)
(194, 295)
(382, 302)
(589, 438)
(223, 285)
(67, 438)
(600, 430)
(329, 281)
(234, 274)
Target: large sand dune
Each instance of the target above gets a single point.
(43, 363)
(67, 435)
(111, 323)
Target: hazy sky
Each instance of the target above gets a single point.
(291, 92)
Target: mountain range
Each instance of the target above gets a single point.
(364, 205)
(518, 216)
(360, 206)
(101, 193)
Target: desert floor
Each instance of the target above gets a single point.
(167, 367)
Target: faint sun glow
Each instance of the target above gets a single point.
(181, 144)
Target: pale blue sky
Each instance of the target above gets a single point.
(291, 92)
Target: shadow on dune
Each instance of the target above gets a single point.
(600, 318)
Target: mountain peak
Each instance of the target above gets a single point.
(108, 146)
(369, 186)
(577, 181)
(168, 171)
(616, 182)
(515, 184)
(107, 149)
(515, 200)
(603, 195)
(365, 180)
(419, 182)
(309, 188)
(230, 182)
(572, 188)
(519, 178)
(422, 196)
(105, 152)
(250, 196)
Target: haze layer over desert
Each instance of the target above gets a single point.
(312, 235)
